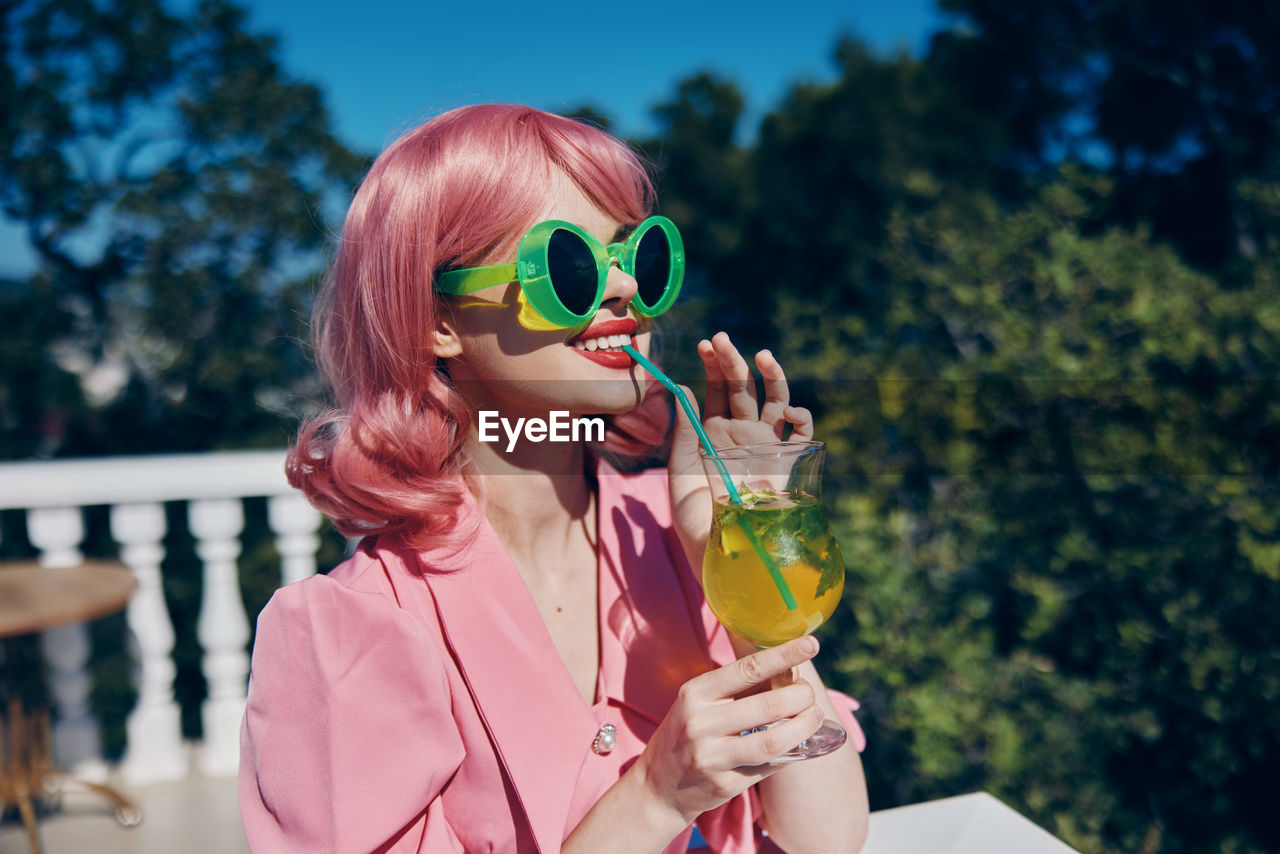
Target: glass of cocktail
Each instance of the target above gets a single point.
(772, 570)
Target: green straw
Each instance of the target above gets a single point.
(693, 417)
(769, 562)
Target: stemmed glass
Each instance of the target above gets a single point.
(772, 570)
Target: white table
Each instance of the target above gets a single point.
(968, 824)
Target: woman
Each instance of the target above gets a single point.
(518, 657)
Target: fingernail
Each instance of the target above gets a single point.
(809, 645)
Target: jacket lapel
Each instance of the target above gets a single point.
(649, 600)
(538, 723)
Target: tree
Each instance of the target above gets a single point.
(174, 183)
(1053, 445)
(832, 164)
(1177, 100)
(701, 167)
(1059, 504)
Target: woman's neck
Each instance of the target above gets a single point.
(538, 497)
(541, 503)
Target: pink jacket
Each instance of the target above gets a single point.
(414, 702)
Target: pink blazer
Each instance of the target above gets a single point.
(414, 702)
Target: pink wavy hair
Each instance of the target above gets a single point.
(455, 191)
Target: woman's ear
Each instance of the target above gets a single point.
(445, 340)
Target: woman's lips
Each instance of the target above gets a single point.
(600, 342)
(608, 358)
(603, 329)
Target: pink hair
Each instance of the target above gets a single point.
(455, 191)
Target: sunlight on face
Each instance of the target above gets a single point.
(507, 366)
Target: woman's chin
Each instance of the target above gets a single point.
(571, 400)
(619, 403)
(610, 395)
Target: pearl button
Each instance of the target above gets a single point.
(606, 739)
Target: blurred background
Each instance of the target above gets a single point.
(1020, 258)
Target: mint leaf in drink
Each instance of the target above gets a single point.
(813, 528)
(832, 568)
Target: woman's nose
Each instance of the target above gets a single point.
(619, 287)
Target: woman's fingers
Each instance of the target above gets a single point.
(739, 385)
(776, 393)
(731, 389)
(717, 393)
(762, 709)
(699, 757)
(749, 671)
(755, 730)
(801, 421)
(766, 745)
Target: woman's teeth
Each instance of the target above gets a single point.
(604, 342)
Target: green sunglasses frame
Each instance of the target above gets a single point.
(532, 271)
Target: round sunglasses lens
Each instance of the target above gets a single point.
(573, 270)
(652, 266)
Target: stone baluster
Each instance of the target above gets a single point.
(294, 522)
(155, 749)
(223, 630)
(57, 533)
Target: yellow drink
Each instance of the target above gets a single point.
(742, 594)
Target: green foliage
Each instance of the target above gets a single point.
(1176, 99)
(1059, 493)
(174, 183)
(1051, 414)
(38, 397)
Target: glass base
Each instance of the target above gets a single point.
(829, 737)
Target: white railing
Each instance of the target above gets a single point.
(54, 495)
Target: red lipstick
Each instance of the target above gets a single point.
(609, 357)
(617, 326)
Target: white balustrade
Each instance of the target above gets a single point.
(57, 533)
(295, 523)
(223, 630)
(54, 493)
(154, 728)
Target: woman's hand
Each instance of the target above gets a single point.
(733, 416)
(698, 758)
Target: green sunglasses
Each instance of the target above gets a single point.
(562, 270)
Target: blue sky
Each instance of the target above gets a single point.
(398, 63)
(386, 65)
